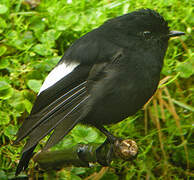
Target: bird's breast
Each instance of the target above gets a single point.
(122, 94)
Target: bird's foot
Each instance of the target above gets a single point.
(114, 146)
(81, 152)
(106, 151)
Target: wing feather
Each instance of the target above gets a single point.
(51, 122)
(65, 125)
(48, 112)
(49, 100)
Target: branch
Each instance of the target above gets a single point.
(83, 155)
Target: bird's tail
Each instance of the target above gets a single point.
(26, 156)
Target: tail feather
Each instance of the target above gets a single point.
(24, 160)
(66, 124)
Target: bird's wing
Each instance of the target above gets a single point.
(61, 115)
(59, 104)
(54, 103)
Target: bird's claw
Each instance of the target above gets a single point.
(105, 152)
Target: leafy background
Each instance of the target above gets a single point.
(34, 34)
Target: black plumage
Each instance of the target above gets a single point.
(118, 70)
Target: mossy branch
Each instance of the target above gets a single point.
(83, 155)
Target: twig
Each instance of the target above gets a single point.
(177, 120)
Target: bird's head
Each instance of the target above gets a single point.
(145, 24)
(151, 25)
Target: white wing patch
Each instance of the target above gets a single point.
(56, 74)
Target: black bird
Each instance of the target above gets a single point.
(104, 77)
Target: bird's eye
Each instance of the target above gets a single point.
(147, 34)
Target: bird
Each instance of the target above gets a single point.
(104, 77)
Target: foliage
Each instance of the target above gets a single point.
(33, 37)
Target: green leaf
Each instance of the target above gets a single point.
(35, 74)
(78, 170)
(109, 175)
(10, 130)
(28, 105)
(4, 85)
(4, 63)
(12, 35)
(92, 135)
(61, 24)
(3, 175)
(186, 69)
(67, 142)
(27, 94)
(49, 36)
(74, 177)
(34, 85)
(3, 9)
(3, 23)
(28, 36)
(6, 90)
(16, 98)
(6, 94)
(42, 49)
(37, 24)
(4, 118)
(3, 49)
(17, 101)
(84, 134)
(20, 107)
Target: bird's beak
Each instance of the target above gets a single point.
(175, 33)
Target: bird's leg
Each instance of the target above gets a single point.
(110, 138)
(109, 143)
(104, 152)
